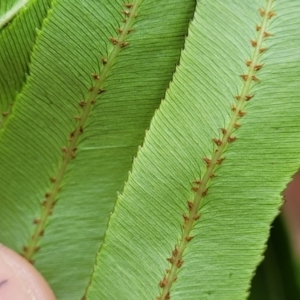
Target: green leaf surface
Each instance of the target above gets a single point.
(9, 9)
(235, 96)
(65, 150)
(16, 42)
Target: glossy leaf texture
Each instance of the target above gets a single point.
(96, 73)
(193, 219)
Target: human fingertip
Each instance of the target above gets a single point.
(20, 280)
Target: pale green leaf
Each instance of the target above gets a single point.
(35, 166)
(243, 191)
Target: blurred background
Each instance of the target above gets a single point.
(278, 276)
(291, 210)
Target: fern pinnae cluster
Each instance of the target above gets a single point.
(66, 58)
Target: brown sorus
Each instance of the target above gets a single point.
(261, 50)
(171, 260)
(185, 217)
(218, 142)
(179, 263)
(244, 77)
(271, 14)
(258, 67)
(163, 282)
(253, 43)
(196, 217)
(126, 13)
(114, 40)
(207, 161)
(104, 60)
(190, 205)
(241, 113)
(124, 44)
(267, 34)
(261, 12)
(95, 76)
(220, 160)
(175, 251)
(231, 139)
(128, 5)
(195, 189)
(248, 97)
(223, 130)
(188, 238)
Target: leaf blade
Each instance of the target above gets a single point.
(66, 55)
(244, 197)
(16, 42)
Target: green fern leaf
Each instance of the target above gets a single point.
(98, 70)
(195, 214)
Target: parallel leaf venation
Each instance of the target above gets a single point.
(69, 151)
(242, 198)
(16, 44)
(66, 55)
(200, 185)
